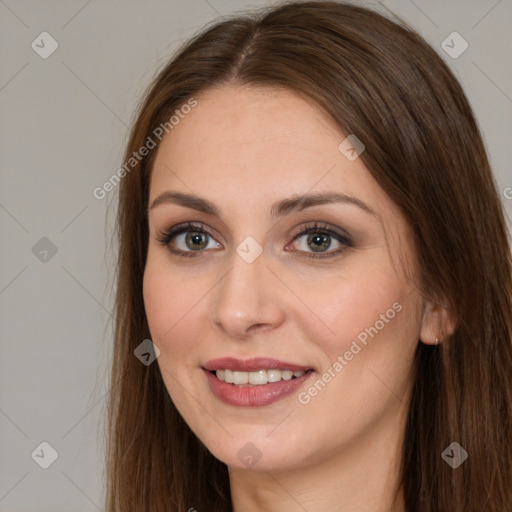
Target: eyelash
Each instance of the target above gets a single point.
(165, 237)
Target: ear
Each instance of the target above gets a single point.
(438, 322)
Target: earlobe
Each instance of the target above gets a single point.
(438, 324)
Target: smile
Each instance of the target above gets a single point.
(255, 382)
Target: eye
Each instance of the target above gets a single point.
(191, 240)
(186, 239)
(318, 238)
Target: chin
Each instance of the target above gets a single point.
(260, 453)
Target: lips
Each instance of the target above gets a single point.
(252, 365)
(247, 394)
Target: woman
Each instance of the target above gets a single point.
(312, 244)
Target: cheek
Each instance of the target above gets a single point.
(366, 370)
(170, 305)
(158, 300)
(355, 307)
(170, 302)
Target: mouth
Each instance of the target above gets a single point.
(254, 382)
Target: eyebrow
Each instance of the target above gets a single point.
(279, 208)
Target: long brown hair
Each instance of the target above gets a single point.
(380, 80)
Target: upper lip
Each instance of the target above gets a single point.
(252, 365)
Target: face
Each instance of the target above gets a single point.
(305, 305)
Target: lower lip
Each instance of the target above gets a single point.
(254, 396)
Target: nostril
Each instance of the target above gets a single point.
(257, 327)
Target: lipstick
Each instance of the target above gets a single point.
(254, 382)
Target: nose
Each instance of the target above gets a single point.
(248, 299)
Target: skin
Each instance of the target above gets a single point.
(243, 148)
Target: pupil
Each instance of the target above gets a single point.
(320, 241)
(195, 238)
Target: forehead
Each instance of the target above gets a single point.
(258, 145)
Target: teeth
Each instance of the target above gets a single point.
(273, 375)
(256, 378)
(259, 377)
(240, 378)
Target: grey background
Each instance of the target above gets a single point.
(63, 127)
